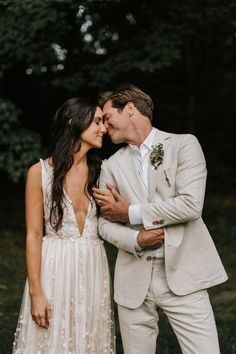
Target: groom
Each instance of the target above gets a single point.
(166, 256)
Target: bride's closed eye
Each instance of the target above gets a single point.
(98, 120)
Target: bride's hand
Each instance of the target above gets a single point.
(114, 207)
(41, 311)
(103, 196)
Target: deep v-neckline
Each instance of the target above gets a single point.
(74, 214)
(73, 209)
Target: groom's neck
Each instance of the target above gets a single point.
(139, 134)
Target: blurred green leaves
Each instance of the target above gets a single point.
(182, 49)
(19, 146)
(104, 39)
(28, 29)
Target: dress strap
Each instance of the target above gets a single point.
(46, 176)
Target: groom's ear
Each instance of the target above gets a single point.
(129, 109)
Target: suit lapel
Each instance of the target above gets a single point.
(164, 139)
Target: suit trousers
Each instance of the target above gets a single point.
(190, 316)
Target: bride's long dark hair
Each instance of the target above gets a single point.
(71, 119)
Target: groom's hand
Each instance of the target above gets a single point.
(117, 210)
(151, 239)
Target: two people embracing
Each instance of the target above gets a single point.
(148, 204)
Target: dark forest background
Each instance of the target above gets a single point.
(181, 52)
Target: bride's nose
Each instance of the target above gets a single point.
(103, 128)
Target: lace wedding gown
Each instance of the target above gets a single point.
(75, 280)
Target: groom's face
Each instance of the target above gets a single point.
(116, 123)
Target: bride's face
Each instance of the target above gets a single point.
(93, 135)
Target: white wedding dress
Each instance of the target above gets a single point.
(75, 280)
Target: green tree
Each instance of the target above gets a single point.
(19, 146)
(180, 49)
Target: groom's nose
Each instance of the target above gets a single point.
(105, 124)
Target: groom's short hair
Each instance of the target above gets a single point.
(128, 93)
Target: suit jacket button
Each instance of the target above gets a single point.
(156, 222)
(149, 258)
(161, 221)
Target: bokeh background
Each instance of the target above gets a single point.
(181, 52)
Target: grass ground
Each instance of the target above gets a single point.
(219, 214)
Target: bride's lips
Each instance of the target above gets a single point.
(100, 139)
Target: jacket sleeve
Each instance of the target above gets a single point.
(118, 234)
(190, 182)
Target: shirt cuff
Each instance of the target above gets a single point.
(136, 245)
(135, 217)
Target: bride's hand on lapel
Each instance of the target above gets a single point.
(113, 207)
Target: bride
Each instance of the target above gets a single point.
(66, 306)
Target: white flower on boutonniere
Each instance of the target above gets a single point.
(157, 155)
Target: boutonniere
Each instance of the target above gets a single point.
(157, 155)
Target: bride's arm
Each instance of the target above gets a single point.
(40, 308)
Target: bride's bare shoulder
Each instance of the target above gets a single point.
(34, 185)
(34, 171)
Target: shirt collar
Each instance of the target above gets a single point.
(149, 139)
(147, 142)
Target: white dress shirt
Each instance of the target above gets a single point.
(141, 158)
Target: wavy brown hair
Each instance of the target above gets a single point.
(71, 119)
(128, 93)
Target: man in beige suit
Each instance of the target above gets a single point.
(166, 256)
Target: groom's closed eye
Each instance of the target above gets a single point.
(106, 117)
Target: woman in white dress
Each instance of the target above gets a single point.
(66, 306)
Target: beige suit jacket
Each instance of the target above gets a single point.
(175, 202)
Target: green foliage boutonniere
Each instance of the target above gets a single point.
(157, 155)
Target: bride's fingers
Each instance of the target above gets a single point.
(103, 198)
(48, 313)
(98, 196)
(34, 318)
(102, 192)
(101, 202)
(37, 320)
(42, 321)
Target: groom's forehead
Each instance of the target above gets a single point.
(108, 109)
